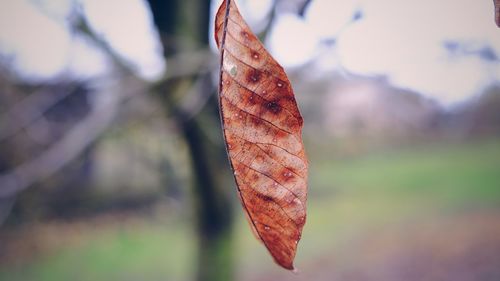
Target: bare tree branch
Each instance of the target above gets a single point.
(190, 63)
(29, 110)
(102, 115)
(71, 145)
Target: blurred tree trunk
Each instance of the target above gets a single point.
(183, 26)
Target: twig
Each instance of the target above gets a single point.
(303, 8)
(272, 16)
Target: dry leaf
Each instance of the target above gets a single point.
(262, 128)
(497, 12)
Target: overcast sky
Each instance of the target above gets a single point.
(448, 49)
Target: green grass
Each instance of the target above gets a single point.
(348, 197)
(445, 172)
(147, 253)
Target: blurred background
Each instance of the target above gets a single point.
(112, 165)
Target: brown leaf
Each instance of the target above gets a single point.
(262, 128)
(497, 12)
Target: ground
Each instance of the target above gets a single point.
(421, 212)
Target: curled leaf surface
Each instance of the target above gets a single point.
(263, 133)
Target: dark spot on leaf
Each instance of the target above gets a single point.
(286, 175)
(273, 107)
(253, 76)
(251, 99)
(264, 197)
(278, 134)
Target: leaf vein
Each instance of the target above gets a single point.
(269, 155)
(269, 177)
(274, 202)
(260, 118)
(267, 100)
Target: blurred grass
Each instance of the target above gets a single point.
(446, 172)
(136, 252)
(349, 197)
